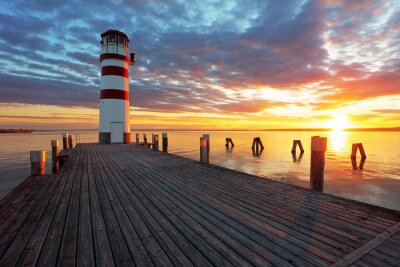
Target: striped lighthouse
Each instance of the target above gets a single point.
(114, 126)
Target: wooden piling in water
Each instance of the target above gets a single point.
(38, 160)
(295, 144)
(65, 140)
(362, 151)
(355, 147)
(145, 140)
(204, 150)
(317, 165)
(137, 139)
(54, 156)
(70, 141)
(229, 142)
(165, 142)
(257, 145)
(155, 142)
(208, 138)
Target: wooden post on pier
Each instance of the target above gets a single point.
(145, 140)
(295, 144)
(70, 141)
(207, 137)
(65, 140)
(229, 142)
(155, 142)
(317, 166)
(38, 159)
(204, 150)
(137, 139)
(54, 156)
(165, 142)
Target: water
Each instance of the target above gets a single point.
(378, 183)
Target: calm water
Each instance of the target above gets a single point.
(378, 183)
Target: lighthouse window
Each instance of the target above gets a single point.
(121, 40)
(111, 38)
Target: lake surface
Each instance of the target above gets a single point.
(378, 183)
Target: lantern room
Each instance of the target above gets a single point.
(115, 42)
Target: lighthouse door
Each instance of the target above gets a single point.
(117, 132)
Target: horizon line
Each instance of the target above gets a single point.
(386, 129)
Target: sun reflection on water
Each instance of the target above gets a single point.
(338, 140)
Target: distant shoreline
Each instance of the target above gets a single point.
(16, 130)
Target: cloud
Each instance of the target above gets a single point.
(190, 54)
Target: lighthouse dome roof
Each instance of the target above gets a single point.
(111, 31)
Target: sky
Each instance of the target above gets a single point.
(205, 64)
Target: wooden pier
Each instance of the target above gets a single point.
(128, 205)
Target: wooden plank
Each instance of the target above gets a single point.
(284, 198)
(180, 240)
(135, 245)
(117, 243)
(15, 213)
(33, 248)
(126, 205)
(20, 240)
(369, 246)
(85, 246)
(51, 246)
(246, 231)
(257, 205)
(147, 221)
(211, 225)
(101, 243)
(230, 256)
(269, 232)
(289, 224)
(68, 246)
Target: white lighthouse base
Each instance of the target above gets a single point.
(106, 138)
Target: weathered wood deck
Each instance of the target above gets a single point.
(127, 205)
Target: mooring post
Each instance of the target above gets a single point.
(65, 140)
(362, 151)
(300, 146)
(70, 141)
(207, 137)
(155, 142)
(145, 140)
(317, 166)
(354, 148)
(261, 144)
(295, 144)
(254, 143)
(204, 150)
(54, 156)
(229, 142)
(137, 139)
(38, 159)
(165, 142)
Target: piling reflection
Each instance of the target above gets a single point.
(297, 159)
(257, 152)
(354, 163)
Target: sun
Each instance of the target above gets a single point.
(338, 123)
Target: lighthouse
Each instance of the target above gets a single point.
(114, 126)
